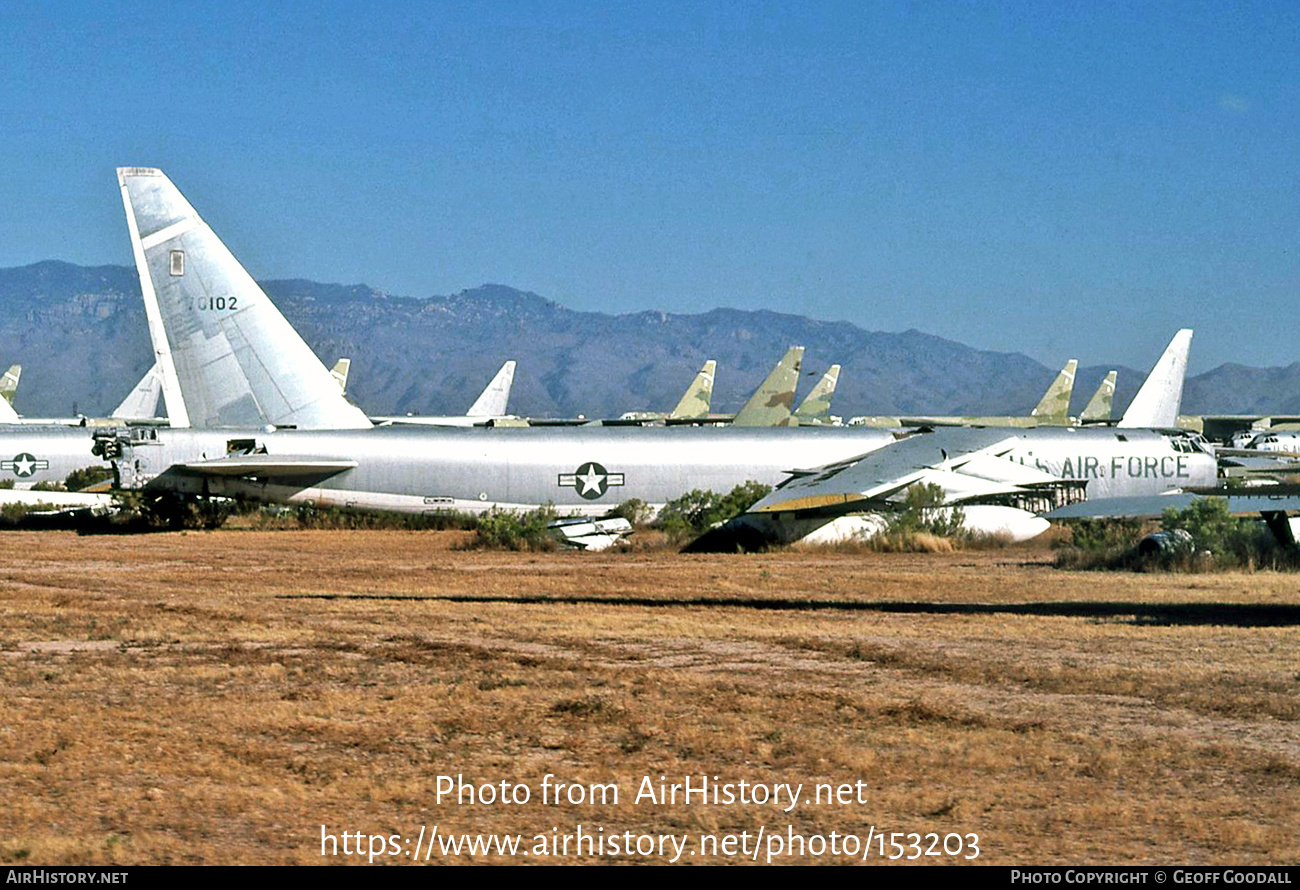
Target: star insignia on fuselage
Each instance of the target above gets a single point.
(24, 465)
(590, 480)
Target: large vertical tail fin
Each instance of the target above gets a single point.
(1054, 407)
(1158, 401)
(772, 403)
(697, 401)
(226, 354)
(493, 400)
(1099, 406)
(816, 406)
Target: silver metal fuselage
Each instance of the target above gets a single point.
(581, 471)
(1119, 462)
(31, 454)
(587, 470)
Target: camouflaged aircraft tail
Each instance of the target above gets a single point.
(1054, 407)
(9, 382)
(696, 403)
(8, 387)
(340, 372)
(816, 406)
(1099, 406)
(771, 405)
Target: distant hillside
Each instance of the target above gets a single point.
(80, 335)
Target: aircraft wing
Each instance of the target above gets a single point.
(266, 466)
(977, 471)
(1153, 507)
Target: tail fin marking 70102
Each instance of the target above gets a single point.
(226, 354)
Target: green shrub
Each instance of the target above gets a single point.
(507, 530)
(1232, 542)
(1218, 541)
(79, 480)
(697, 511)
(634, 510)
(923, 511)
(338, 518)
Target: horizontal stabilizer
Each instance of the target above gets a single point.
(590, 534)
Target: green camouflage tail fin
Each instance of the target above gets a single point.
(8, 386)
(816, 407)
(340, 372)
(771, 404)
(1054, 407)
(698, 399)
(9, 382)
(1098, 410)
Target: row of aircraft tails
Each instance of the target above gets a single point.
(254, 414)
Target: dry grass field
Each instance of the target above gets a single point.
(218, 697)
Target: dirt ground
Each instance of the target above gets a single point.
(292, 697)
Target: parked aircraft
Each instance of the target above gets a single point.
(1053, 409)
(1032, 470)
(583, 470)
(1099, 406)
(816, 407)
(770, 405)
(237, 379)
(694, 405)
(488, 409)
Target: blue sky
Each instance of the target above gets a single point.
(1062, 180)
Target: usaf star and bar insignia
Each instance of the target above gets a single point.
(23, 465)
(591, 480)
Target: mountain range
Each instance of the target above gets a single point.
(80, 334)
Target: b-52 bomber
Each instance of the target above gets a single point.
(267, 422)
(978, 468)
(1053, 409)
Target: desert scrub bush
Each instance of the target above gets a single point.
(697, 511)
(922, 524)
(1215, 540)
(507, 530)
(335, 518)
(79, 480)
(634, 510)
(1100, 544)
(1232, 542)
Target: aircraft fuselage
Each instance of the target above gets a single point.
(581, 471)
